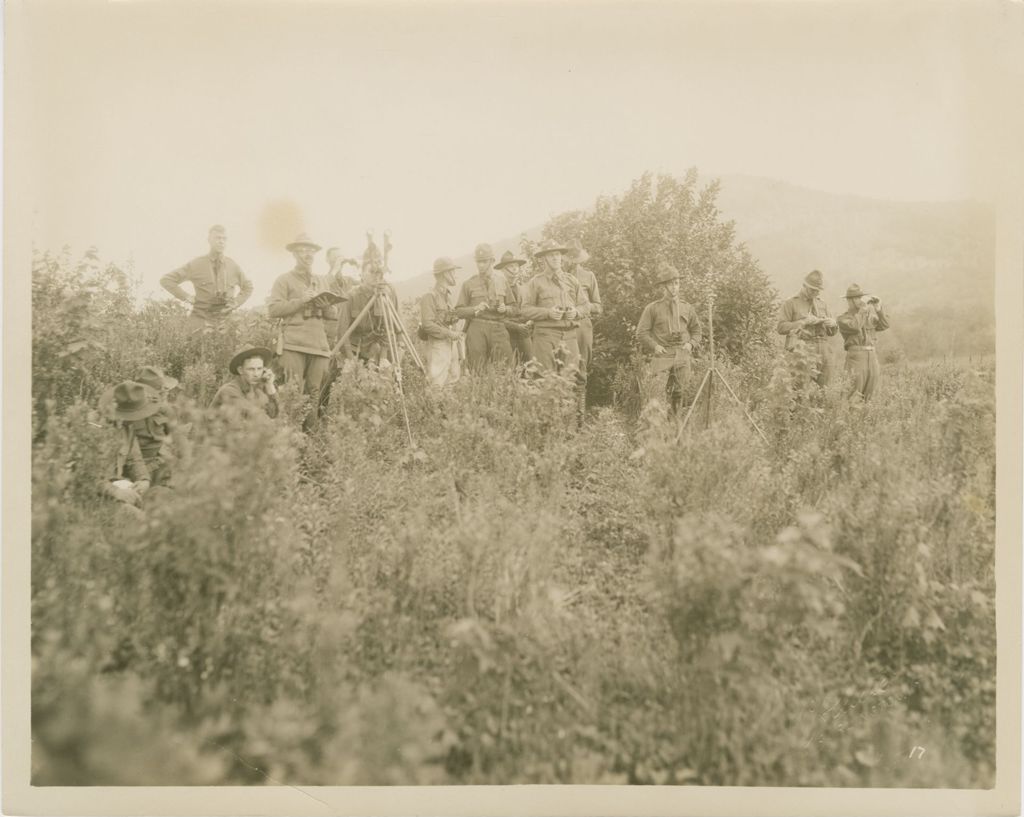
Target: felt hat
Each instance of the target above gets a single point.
(815, 280)
(445, 264)
(854, 291)
(577, 254)
(549, 245)
(154, 377)
(303, 240)
(483, 252)
(666, 273)
(508, 258)
(130, 401)
(247, 352)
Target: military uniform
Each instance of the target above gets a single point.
(369, 339)
(520, 330)
(555, 342)
(487, 338)
(587, 279)
(219, 284)
(436, 320)
(815, 337)
(858, 328)
(249, 400)
(671, 324)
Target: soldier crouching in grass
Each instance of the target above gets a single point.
(858, 324)
(670, 330)
(128, 403)
(251, 390)
(154, 432)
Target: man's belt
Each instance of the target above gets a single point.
(558, 326)
(860, 348)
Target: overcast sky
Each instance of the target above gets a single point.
(453, 124)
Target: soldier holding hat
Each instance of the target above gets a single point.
(126, 404)
(437, 320)
(519, 329)
(555, 302)
(251, 390)
(585, 333)
(805, 320)
(301, 302)
(858, 324)
(670, 330)
(218, 283)
(482, 302)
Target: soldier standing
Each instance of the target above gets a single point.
(482, 303)
(805, 320)
(436, 326)
(295, 300)
(859, 323)
(519, 329)
(218, 282)
(585, 333)
(555, 302)
(670, 330)
(369, 339)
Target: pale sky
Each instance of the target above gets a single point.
(458, 123)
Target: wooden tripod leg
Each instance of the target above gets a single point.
(396, 318)
(740, 404)
(696, 399)
(352, 327)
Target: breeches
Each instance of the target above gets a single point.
(585, 339)
(522, 345)
(669, 374)
(486, 342)
(557, 350)
(443, 365)
(310, 370)
(863, 370)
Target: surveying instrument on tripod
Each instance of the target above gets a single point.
(708, 382)
(380, 314)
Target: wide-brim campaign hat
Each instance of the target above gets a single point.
(303, 240)
(666, 273)
(445, 264)
(815, 280)
(130, 401)
(154, 377)
(855, 291)
(244, 354)
(548, 246)
(508, 258)
(577, 253)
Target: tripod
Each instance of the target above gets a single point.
(709, 381)
(394, 330)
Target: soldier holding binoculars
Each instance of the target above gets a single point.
(858, 326)
(482, 302)
(218, 282)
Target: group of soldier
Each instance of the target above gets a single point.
(537, 326)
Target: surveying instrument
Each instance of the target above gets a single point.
(384, 319)
(708, 382)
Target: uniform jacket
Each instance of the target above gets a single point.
(588, 281)
(477, 290)
(544, 291)
(663, 318)
(795, 309)
(303, 326)
(859, 327)
(436, 314)
(209, 279)
(239, 394)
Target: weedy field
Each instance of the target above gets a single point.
(512, 600)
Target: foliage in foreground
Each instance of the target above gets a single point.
(516, 600)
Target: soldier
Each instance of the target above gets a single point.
(436, 326)
(519, 329)
(585, 334)
(298, 300)
(555, 302)
(369, 340)
(125, 404)
(218, 283)
(859, 323)
(251, 390)
(805, 319)
(482, 302)
(670, 330)
(154, 432)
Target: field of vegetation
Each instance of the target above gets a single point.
(513, 599)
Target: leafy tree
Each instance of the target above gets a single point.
(676, 220)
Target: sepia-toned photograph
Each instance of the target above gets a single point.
(471, 394)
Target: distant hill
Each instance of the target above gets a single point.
(932, 262)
